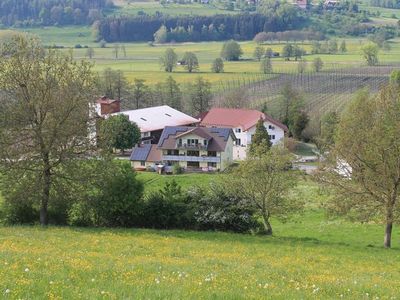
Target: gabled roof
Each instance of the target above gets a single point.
(234, 117)
(217, 137)
(158, 117)
(146, 152)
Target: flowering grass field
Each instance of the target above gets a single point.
(308, 259)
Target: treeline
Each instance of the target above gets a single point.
(386, 3)
(191, 28)
(51, 12)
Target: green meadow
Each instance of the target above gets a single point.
(141, 60)
(309, 257)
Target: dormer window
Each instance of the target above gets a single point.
(238, 130)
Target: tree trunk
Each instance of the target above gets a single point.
(388, 235)
(267, 225)
(44, 220)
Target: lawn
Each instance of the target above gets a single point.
(308, 259)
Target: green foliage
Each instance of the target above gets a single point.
(258, 53)
(177, 169)
(168, 60)
(326, 138)
(266, 66)
(113, 84)
(139, 93)
(171, 93)
(168, 208)
(218, 65)
(260, 142)
(231, 51)
(302, 66)
(343, 47)
(222, 209)
(317, 64)
(370, 54)
(190, 62)
(200, 95)
(118, 202)
(265, 181)
(118, 132)
(363, 164)
(395, 78)
(160, 36)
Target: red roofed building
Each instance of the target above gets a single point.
(243, 122)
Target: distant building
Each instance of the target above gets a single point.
(243, 123)
(151, 120)
(193, 148)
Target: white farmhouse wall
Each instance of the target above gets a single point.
(240, 151)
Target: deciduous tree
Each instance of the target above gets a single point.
(45, 114)
(168, 60)
(363, 165)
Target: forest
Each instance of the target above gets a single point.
(193, 28)
(23, 13)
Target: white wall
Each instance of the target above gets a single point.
(239, 151)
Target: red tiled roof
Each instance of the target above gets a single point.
(233, 117)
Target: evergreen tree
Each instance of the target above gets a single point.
(260, 141)
(343, 47)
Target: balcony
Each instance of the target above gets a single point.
(191, 158)
(191, 146)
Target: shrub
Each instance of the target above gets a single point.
(78, 46)
(219, 209)
(177, 169)
(119, 199)
(168, 208)
(81, 214)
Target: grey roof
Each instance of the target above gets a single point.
(141, 153)
(218, 137)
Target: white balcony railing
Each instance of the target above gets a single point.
(191, 158)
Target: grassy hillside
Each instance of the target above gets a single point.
(311, 258)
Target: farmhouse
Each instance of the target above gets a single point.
(151, 121)
(193, 148)
(243, 123)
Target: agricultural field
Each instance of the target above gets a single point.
(141, 60)
(308, 257)
(127, 7)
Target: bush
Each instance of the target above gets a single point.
(218, 209)
(168, 208)
(78, 46)
(119, 199)
(81, 214)
(177, 169)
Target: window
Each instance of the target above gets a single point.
(192, 142)
(212, 153)
(271, 127)
(180, 142)
(205, 142)
(238, 142)
(193, 153)
(238, 130)
(172, 152)
(146, 134)
(272, 137)
(212, 164)
(142, 163)
(193, 164)
(147, 142)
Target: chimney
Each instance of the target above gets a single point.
(107, 106)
